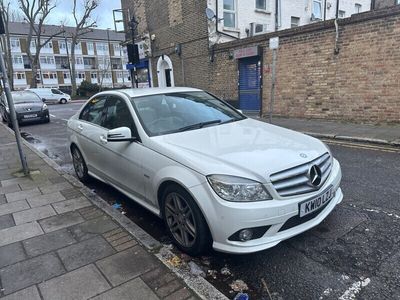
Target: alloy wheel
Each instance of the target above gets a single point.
(78, 162)
(180, 219)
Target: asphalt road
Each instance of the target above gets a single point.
(353, 254)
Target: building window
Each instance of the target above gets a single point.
(317, 9)
(78, 46)
(90, 46)
(78, 60)
(230, 13)
(102, 47)
(14, 43)
(19, 75)
(67, 75)
(80, 75)
(17, 59)
(47, 60)
(93, 75)
(357, 8)
(260, 28)
(294, 22)
(117, 49)
(33, 44)
(48, 45)
(261, 4)
(342, 14)
(49, 75)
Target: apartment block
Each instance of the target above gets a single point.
(99, 58)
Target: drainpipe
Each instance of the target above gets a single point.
(217, 21)
(276, 15)
(336, 51)
(325, 10)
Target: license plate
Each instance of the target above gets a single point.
(309, 206)
(30, 116)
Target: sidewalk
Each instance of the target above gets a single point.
(384, 134)
(57, 242)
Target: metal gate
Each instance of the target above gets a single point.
(250, 83)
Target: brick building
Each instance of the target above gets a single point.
(378, 4)
(99, 58)
(348, 73)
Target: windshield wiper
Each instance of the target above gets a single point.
(198, 125)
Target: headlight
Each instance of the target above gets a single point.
(44, 107)
(237, 189)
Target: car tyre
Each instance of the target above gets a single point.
(79, 164)
(63, 101)
(184, 221)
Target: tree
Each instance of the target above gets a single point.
(35, 13)
(83, 24)
(8, 15)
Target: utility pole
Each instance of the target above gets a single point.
(66, 48)
(109, 54)
(132, 24)
(11, 107)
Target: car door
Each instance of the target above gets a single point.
(90, 130)
(122, 160)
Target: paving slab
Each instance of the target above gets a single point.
(21, 195)
(29, 272)
(72, 204)
(61, 221)
(19, 233)
(6, 221)
(45, 199)
(12, 207)
(33, 214)
(30, 293)
(135, 289)
(48, 242)
(55, 187)
(15, 181)
(86, 252)
(10, 254)
(82, 284)
(92, 227)
(3, 199)
(126, 265)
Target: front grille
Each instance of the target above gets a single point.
(295, 181)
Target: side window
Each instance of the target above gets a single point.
(54, 91)
(94, 111)
(117, 114)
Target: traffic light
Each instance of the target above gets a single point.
(133, 53)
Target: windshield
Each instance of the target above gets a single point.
(25, 97)
(177, 112)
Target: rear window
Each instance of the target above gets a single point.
(25, 97)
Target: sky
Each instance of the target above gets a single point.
(63, 11)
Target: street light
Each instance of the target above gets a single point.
(66, 48)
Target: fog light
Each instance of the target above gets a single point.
(245, 235)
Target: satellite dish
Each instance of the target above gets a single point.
(210, 13)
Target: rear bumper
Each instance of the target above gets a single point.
(226, 218)
(40, 116)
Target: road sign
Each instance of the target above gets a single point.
(274, 43)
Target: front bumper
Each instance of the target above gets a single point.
(226, 218)
(40, 116)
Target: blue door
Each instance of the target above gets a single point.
(249, 83)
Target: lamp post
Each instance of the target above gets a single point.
(66, 48)
(109, 54)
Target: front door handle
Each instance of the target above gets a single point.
(103, 139)
(80, 127)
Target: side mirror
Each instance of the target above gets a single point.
(239, 110)
(44, 100)
(120, 134)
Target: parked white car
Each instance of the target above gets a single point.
(215, 176)
(51, 95)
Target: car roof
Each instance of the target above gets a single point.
(154, 91)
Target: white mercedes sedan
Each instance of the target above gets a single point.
(216, 177)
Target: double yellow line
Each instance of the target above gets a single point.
(356, 145)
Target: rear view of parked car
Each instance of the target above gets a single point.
(51, 95)
(28, 107)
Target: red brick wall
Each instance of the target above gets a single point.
(361, 83)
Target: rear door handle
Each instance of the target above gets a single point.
(103, 139)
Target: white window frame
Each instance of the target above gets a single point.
(49, 60)
(17, 60)
(80, 75)
(50, 75)
(342, 14)
(66, 75)
(319, 2)
(292, 23)
(48, 45)
(15, 43)
(90, 46)
(234, 12)
(79, 60)
(261, 8)
(93, 73)
(357, 8)
(21, 75)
